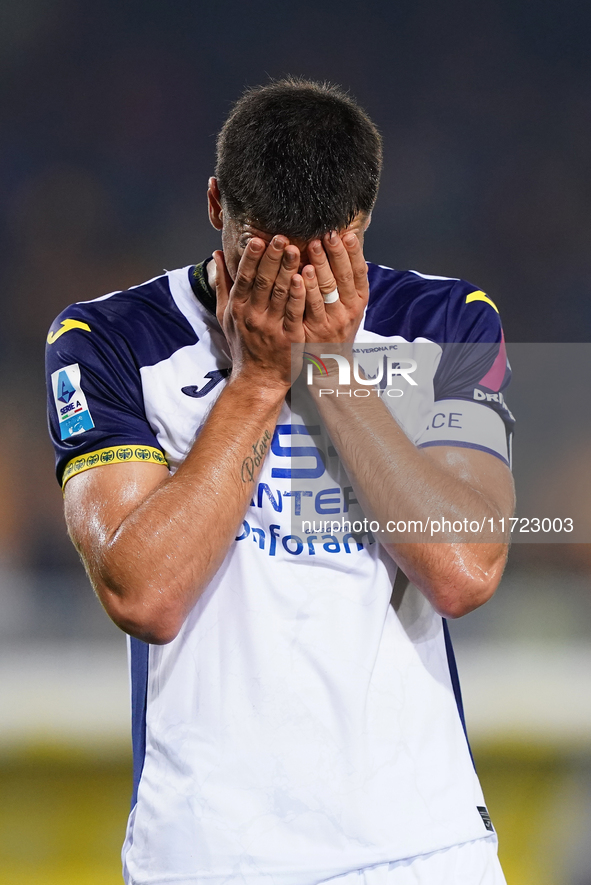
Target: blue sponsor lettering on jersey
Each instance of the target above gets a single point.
(297, 452)
(295, 545)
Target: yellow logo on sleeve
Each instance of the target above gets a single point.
(66, 326)
(480, 296)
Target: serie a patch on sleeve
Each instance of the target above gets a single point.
(72, 409)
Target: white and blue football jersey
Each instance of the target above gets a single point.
(299, 726)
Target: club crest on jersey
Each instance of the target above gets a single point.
(72, 409)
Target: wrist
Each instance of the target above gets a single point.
(257, 387)
(329, 364)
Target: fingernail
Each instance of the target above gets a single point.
(256, 246)
(316, 247)
(349, 240)
(309, 272)
(278, 243)
(332, 237)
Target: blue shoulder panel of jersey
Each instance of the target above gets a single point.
(455, 314)
(412, 305)
(144, 319)
(95, 350)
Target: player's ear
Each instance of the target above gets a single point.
(367, 222)
(214, 204)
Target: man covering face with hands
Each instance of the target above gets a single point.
(295, 721)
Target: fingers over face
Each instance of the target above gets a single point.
(264, 273)
(280, 290)
(315, 307)
(295, 305)
(340, 263)
(267, 271)
(324, 272)
(247, 269)
(357, 259)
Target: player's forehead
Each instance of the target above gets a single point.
(248, 229)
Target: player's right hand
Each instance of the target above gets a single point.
(261, 312)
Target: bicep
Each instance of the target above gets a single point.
(98, 501)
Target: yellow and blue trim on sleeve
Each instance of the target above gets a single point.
(112, 455)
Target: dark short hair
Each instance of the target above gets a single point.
(298, 158)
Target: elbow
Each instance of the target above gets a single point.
(153, 626)
(152, 632)
(465, 594)
(149, 615)
(147, 597)
(453, 606)
(467, 582)
(456, 578)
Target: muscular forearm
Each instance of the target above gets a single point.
(395, 481)
(150, 566)
(151, 542)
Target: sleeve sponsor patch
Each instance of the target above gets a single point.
(72, 409)
(113, 455)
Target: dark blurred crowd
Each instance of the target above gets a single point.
(108, 116)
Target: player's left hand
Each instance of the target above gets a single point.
(336, 262)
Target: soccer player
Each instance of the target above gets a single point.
(290, 724)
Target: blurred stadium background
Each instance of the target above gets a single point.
(108, 114)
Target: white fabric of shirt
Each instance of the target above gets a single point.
(299, 727)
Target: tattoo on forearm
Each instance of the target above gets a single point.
(252, 462)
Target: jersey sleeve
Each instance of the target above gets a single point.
(94, 394)
(473, 373)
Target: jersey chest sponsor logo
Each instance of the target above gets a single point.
(299, 516)
(214, 377)
(72, 409)
(267, 539)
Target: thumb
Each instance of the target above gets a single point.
(223, 284)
